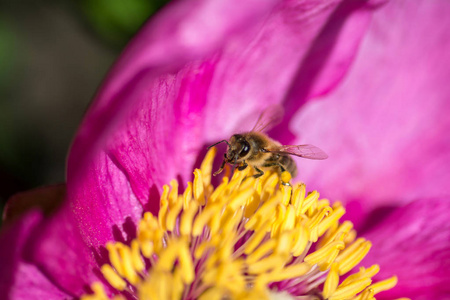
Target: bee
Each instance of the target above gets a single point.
(256, 149)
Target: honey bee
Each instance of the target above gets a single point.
(256, 149)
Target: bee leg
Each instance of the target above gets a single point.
(275, 164)
(241, 168)
(221, 166)
(281, 167)
(286, 183)
(260, 173)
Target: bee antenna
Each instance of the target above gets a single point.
(223, 141)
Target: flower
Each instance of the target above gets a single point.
(198, 72)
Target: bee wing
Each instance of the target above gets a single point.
(269, 118)
(305, 151)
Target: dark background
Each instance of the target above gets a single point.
(53, 56)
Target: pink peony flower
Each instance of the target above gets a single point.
(364, 80)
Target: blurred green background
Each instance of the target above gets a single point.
(53, 56)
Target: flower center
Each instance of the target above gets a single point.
(246, 239)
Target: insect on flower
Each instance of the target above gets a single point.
(256, 149)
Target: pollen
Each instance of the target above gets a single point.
(248, 238)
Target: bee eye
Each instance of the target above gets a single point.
(245, 149)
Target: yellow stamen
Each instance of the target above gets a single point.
(335, 215)
(384, 285)
(286, 190)
(98, 290)
(115, 280)
(261, 251)
(240, 198)
(253, 203)
(187, 219)
(219, 190)
(350, 259)
(363, 273)
(204, 217)
(367, 294)
(173, 194)
(187, 196)
(199, 190)
(256, 238)
(298, 198)
(332, 281)
(114, 258)
(289, 219)
(292, 271)
(163, 207)
(265, 265)
(343, 228)
(127, 264)
(279, 218)
(231, 220)
(284, 243)
(309, 201)
(313, 223)
(172, 215)
(350, 290)
(146, 247)
(206, 166)
(321, 255)
(187, 268)
(301, 241)
(262, 212)
(136, 259)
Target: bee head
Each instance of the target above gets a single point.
(238, 148)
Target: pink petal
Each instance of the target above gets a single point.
(104, 208)
(59, 251)
(55, 246)
(18, 278)
(183, 32)
(414, 244)
(385, 127)
(326, 61)
(299, 41)
(31, 283)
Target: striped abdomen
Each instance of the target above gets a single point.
(289, 164)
